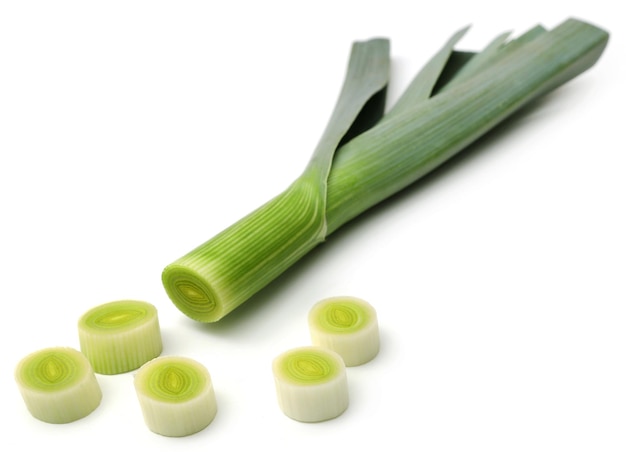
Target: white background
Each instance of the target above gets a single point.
(131, 131)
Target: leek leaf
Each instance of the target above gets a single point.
(422, 85)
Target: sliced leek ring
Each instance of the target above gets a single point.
(120, 336)
(348, 326)
(58, 385)
(311, 384)
(176, 396)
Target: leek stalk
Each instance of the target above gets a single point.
(454, 100)
(245, 257)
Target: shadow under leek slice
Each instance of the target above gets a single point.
(176, 396)
(311, 384)
(120, 336)
(348, 326)
(58, 385)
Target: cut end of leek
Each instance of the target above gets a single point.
(176, 396)
(346, 325)
(191, 294)
(120, 336)
(311, 384)
(58, 385)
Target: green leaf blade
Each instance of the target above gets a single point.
(396, 153)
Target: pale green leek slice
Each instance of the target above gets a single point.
(347, 325)
(434, 123)
(176, 396)
(58, 385)
(311, 384)
(120, 336)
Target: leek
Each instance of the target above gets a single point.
(457, 98)
(176, 396)
(348, 326)
(120, 336)
(58, 385)
(311, 384)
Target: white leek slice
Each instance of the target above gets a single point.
(120, 336)
(348, 326)
(176, 396)
(58, 385)
(311, 384)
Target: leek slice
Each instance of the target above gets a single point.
(433, 122)
(311, 384)
(176, 396)
(58, 385)
(120, 336)
(348, 326)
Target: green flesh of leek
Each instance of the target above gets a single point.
(454, 100)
